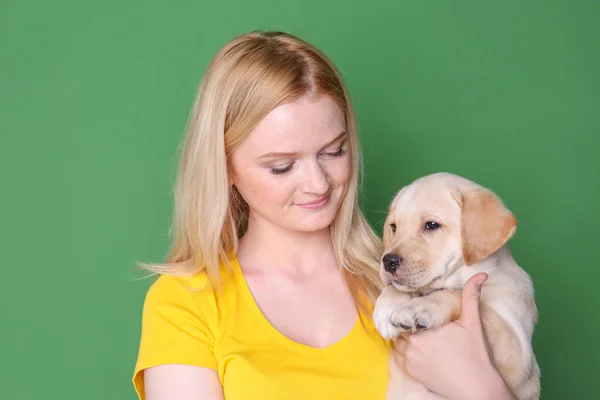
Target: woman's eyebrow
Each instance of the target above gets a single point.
(277, 154)
(338, 137)
(293, 154)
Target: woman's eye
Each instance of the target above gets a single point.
(393, 226)
(340, 152)
(282, 170)
(430, 225)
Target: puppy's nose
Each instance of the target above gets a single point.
(391, 262)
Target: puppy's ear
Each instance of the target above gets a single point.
(486, 224)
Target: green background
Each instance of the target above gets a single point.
(94, 97)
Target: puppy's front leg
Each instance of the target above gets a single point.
(389, 299)
(427, 312)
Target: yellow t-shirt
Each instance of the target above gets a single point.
(227, 332)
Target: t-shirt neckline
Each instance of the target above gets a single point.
(275, 334)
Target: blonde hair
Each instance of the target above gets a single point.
(249, 77)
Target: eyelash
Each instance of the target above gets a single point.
(279, 171)
(341, 151)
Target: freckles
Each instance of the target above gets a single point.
(265, 187)
(256, 182)
(339, 172)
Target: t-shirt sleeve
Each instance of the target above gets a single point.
(177, 328)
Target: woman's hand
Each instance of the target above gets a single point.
(454, 361)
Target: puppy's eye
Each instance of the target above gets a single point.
(430, 225)
(393, 226)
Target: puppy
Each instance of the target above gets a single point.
(441, 230)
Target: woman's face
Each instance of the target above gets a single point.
(293, 168)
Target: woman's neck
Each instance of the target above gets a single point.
(266, 246)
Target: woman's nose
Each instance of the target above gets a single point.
(317, 180)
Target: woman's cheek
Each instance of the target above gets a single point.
(340, 171)
(272, 188)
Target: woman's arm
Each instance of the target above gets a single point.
(182, 382)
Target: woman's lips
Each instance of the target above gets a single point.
(315, 204)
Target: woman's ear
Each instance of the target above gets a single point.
(486, 224)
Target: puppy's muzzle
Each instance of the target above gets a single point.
(391, 262)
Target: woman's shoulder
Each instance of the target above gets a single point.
(196, 290)
(176, 282)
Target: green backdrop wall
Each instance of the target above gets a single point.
(93, 101)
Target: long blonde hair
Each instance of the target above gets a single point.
(250, 76)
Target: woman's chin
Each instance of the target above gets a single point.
(314, 224)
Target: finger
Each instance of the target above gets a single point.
(400, 353)
(469, 313)
(401, 345)
(399, 358)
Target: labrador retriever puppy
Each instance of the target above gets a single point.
(441, 230)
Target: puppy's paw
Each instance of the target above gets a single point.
(383, 324)
(419, 313)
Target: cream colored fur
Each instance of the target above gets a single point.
(425, 289)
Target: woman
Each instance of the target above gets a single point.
(270, 281)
